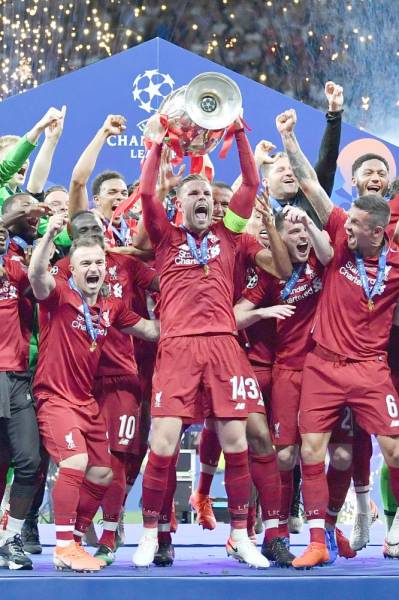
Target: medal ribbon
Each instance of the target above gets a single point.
(200, 254)
(382, 261)
(93, 333)
(289, 286)
(121, 234)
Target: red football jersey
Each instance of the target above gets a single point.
(124, 275)
(394, 206)
(14, 350)
(293, 335)
(344, 324)
(66, 366)
(195, 300)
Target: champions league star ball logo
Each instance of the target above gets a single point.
(149, 89)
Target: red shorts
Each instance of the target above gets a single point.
(264, 376)
(365, 386)
(119, 400)
(214, 364)
(145, 375)
(68, 429)
(284, 406)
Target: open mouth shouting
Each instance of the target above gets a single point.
(303, 249)
(374, 188)
(92, 281)
(201, 212)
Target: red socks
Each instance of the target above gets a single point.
(66, 499)
(315, 498)
(91, 496)
(237, 482)
(166, 510)
(113, 500)
(362, 453)
(209, 453)
(133, 465)
(155, 482)
(287, 493)
(266, 477)
(338, 486)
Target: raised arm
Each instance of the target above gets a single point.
(154, 215)
(78, 199)
(275, 261)
(262, 157)
(42, 165)
(243, 200)
(326, 165)
(247, 314)
(19, 154)
(41, 280)
(303, 170)
(319, 239)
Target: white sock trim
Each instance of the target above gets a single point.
(110, 525)
(316, 524)
(271, 523)
(65, 528)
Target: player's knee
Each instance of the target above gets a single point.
(163, 446)
(341, 458)
(260, 443)
(100, 475)
(392, 455)
(76, 461)
(286, 458)
(312, 452)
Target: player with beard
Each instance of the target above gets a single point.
(196, 283)
(263, 465)
(309, 251)
(74, 324)
(348, 365)
(370, 175)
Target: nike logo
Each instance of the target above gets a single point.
(232, 547)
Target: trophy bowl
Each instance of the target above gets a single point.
(199, 113)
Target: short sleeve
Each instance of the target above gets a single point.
(123, 317)
(256, 293)
(335, 223)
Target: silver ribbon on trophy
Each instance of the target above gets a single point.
(198, 114)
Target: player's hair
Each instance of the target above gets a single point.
(55, 188)
(192, 177)
(279, 219)
(132, 186)
(394, 188)
(369, 156)
(265, 168)
(222, 185)
(104, 176)
(376, 207)
(86, 242)
(10, 201)
(81, 212)
(8, 140)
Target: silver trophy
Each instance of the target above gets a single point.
(199, 113)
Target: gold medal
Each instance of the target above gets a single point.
(370, 304)
(206, 270)
(93, 346)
